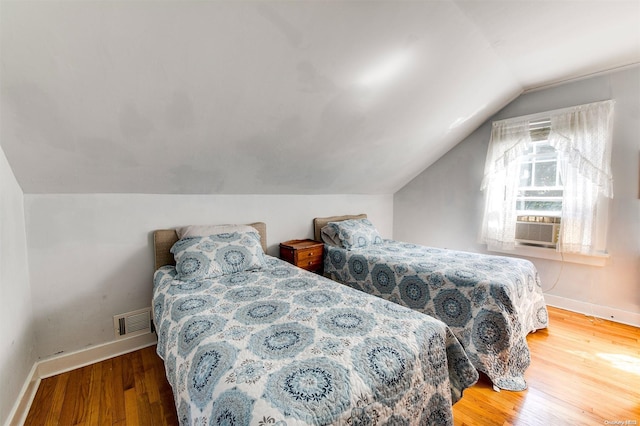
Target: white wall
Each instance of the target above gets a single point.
(443, 205)
(17, 338)
(90, 256)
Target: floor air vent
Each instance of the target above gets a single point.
(132, 323)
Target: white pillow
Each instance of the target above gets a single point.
(206, 230)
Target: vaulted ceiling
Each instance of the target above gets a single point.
(296, 97)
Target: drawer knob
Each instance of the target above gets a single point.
(310, 253)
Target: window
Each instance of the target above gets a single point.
(540, 189)
(546, 176)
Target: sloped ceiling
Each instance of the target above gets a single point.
(297, 97)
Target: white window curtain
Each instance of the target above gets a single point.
(500, 183)
(582, 137)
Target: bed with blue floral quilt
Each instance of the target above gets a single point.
(489, 302)
(248, 339)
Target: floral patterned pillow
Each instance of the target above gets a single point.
(216, 255)
(352, 233)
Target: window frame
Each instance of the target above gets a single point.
(534, 159)
(505, 149)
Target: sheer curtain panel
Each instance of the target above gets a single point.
(583, 139)
(500, 183)
(582, 136)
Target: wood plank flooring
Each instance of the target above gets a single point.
(584, 371)
(130, 389)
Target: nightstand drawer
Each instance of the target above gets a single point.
(306, 254)
(303, 255)
(309, 262)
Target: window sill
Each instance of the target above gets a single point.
(552, 254)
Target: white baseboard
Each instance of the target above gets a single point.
(67, 362)
(20, 409)
(590, 309)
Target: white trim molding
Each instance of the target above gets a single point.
(18, 413)
(551, 254)
(592, 310)
(70, 361)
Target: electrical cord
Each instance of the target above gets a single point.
(558, 277)
(592, 316)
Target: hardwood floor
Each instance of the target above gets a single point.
(130, 389)
(584, 371)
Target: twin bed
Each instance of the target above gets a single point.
(489, 302)
(248, 339)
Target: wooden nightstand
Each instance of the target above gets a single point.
(305, 254)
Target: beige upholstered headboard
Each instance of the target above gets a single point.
(164, 239)
(320, 222)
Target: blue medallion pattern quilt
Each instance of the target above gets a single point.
(282, 346)
(490, 302)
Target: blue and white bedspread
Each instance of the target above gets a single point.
(282, 346)
(490, 302)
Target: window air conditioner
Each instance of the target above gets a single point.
(538, 230)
